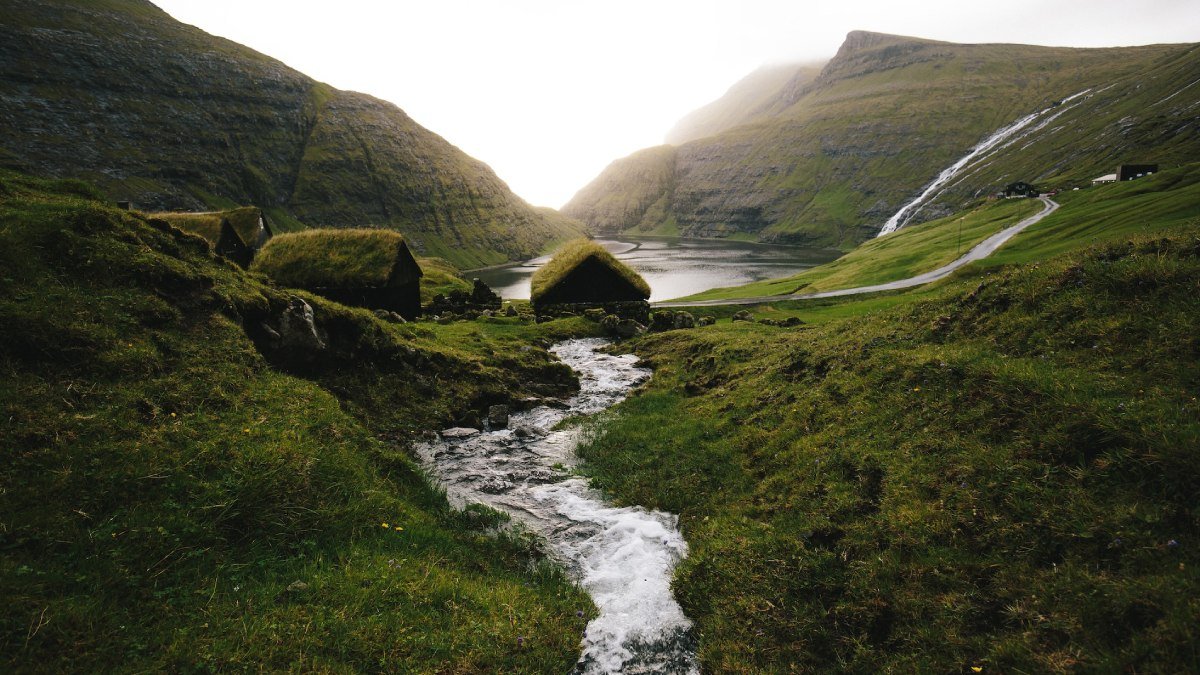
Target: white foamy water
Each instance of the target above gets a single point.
(623, 557)
(999, 139)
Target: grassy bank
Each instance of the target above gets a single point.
(182, 491)
(997, 474)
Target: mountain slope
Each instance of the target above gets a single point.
(746, 101)
(165, 115)
(828, 161)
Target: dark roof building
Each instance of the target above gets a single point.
(358, 267)
(236, 234)
(1020, 189)
(1131, 171)
(582, 272)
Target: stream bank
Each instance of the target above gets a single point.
(623, 556)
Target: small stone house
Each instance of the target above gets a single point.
(358, 267)
(237, 234)
(583, 274)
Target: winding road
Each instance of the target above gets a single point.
(979, 252)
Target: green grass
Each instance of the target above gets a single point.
(440, 277)
(1169, 199)
(902, 254)
(1104, 213)
(989, 474)
(179, 495)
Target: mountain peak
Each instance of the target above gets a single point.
(859, 40)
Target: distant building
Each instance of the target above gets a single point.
(358, 267)
(1020, 189)
(1131, 171)
(237, 234)
(1108, 178)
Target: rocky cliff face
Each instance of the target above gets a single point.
(826, 160)
(165, 115)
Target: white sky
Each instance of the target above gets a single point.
(548, 92)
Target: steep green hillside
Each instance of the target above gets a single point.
(163, 114)
(750, 99)
(831, 160)
(633, 194)
(194, 479)
(997, 475)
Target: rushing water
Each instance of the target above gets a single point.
(678, 267)
(623, 557)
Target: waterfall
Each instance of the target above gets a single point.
(1003, 137)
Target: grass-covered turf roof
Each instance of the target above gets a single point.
(572, 255)
(337, 259)
(244, 220)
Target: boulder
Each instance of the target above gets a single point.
(627, 328)
(706, 321)
(297, 328)
(683, 320)
(459, 432)
(497, 416)
(663, 319)
(483, 297)
(622, 328)
(743, 315)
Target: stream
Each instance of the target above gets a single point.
(623, 557)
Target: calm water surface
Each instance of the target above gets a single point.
(678, 267)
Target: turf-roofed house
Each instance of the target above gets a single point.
(237, 234)
(583, 275)
(359, 267)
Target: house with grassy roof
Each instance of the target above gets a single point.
(583, 274)
(358, 267)
(236, 234)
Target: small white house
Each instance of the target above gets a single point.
(1110, 178)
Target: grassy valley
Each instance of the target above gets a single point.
(208, 471)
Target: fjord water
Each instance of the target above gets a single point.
(678, 267)
(623, 556)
